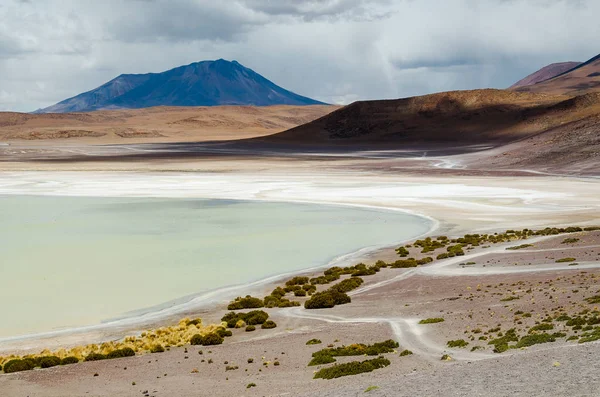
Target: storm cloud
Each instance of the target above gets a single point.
(336, 51)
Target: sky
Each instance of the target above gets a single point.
(336, 51)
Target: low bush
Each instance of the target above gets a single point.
(519, 247)
(565, 260)
(570, 241)
(250, 328)
(314, 342)
(510, 298)
(157, 349)
(298, 280)
(405, 353)
(326, 299)
(18, 365)
(329, 278)
(352, 368)
(403, 252)
(534, 339)
(541, 327)
(326, 356)
(457, 343)
(321, 359)
(206, 340)
(95, 357)
(501, 343)
(369, 271)
(347, 285)
(432, 320)
(300, 292)
(222, 332)
(404, 263)
(125, 352)
(69, 360)
(248, 302)
(49, 361)
(250, 385)
(269, 324)
(254, 317)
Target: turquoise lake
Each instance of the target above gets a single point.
(73, 261)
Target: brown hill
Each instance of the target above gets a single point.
(545, 73)
(458, 117)
(581, 79)
(572, 148)
(158, 124)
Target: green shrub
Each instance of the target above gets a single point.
(510, 298)
(159, 348)
(402, 251)
(352, 368)
(326, 356)
(248, 302)
(565, 260)
(298, 280)
(222, 332)
(501, 343)
(570, 241)
(69, 360)
(535, 339)
(369, 271)
(314, 342)
(541, 327)
(269, 324)
(250, 385)
(321, 359)
(320, 300)
(424, 261)
(405, 353)
(329, 278)
(125, 352)
(518, 247)
(207, 340)
(49, 361)
(95, 357)
(250, 328)
(18, 365)
(593, 299)
(254, 317)
(347, 285)
(457, 343)
(300, 292)
(431, 320)
(404, 263)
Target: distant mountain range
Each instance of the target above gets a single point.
(568, 78)
(207, 83)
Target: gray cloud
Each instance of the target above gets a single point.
(183, 21)
(357, 10)
(333, 50)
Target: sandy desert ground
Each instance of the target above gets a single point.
(495, 185)
(157, 124)
(388, 305)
